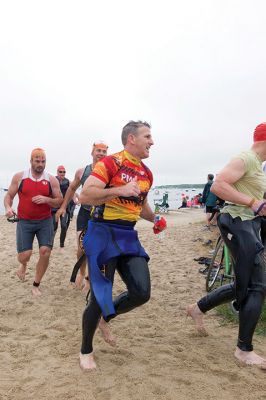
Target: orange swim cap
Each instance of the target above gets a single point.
(260, 133)
(99, 145)
(38, 152)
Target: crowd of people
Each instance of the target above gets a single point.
(113, 197)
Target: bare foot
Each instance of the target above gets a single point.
(61, 250)
(21, 272)
(86, 362)
(36, 291)
(194, 312)
(106, 333)
(245, 358)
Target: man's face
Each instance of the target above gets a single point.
(142, 142)
(38, 164)
(98, 153)
(61, 173)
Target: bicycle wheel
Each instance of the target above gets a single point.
(215, 272)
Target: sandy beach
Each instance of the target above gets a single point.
(158, 353)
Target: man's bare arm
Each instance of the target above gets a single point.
(11, 193)
(95, 193)
(223, 188)
(146, 212)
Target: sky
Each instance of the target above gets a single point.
(74, 72)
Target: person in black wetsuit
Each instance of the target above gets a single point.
(117, 187)
(242, 184)
(99, 150)
(64, 219)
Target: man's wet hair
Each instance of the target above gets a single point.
(132, 127)
(211, 177)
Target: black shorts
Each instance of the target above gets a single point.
(210, 209)
(82, 219)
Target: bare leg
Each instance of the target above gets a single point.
(21, 272)
(82, 271)
(86, 286)
(86, 362)
(81, 276)
(250, 358)
(41, 267)
(194, 312)
(106, 333)
(208, 216)
(23, 258)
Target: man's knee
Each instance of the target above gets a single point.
(145, 296)
(24, 256)
(258, 289)
(141, 296)
(45, 251)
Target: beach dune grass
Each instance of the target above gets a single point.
(229, 317)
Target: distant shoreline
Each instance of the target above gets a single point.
(181, 186)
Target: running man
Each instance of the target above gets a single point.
(38, 192)
(242, 184)
(66, 218)
(99, 150)
(118, 189)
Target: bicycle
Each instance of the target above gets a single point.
(220, 270)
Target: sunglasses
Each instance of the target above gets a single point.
(62, 172)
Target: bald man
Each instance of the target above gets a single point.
(38, 193)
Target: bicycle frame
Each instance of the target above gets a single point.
(227, 260)
(220, 270)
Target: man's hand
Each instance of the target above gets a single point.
(130, 189)
(159, 225)
(59, 213)
(10, 212)
(39, 199)
(259, 207)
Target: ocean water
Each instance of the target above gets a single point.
(175, 195)
(155, 196)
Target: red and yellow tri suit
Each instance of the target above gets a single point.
(28, 188)
(117, 170)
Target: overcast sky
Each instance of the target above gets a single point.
(72, 72)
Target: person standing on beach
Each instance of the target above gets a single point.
(242, 184)
(99, 150)
(38, 192)
(118, 189)
(64, 219)
(209, 199)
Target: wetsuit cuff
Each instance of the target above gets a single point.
(243, 346)
(200, 304)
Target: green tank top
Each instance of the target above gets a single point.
(252, 183)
